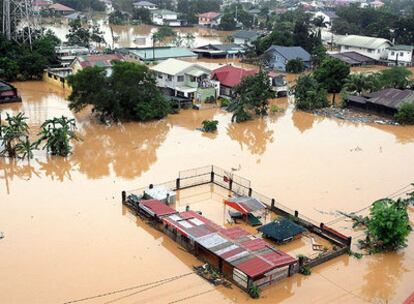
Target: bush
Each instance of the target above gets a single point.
(275, 109)
(209, 125)
(224, 102)
(309, 95)
(254, 292)
(306, 270)
(405, 114)
(295, 66)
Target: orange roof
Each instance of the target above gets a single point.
(209, 15)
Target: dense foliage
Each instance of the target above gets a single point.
(141, 15)
(80, 5)
(387, 226)
(209, 125)
(405, 114)
(118, 18)
(129, 93)
(382, 22)
(13, 135)
(331, 74)
(189, 9)
(309, 94)
(295, 66)
(18, 61)
(84, 34)
(235, 15)
(251, 97)
(57, 134)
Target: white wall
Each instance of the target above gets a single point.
(376, 54)
(403, 56)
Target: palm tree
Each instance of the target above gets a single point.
(178, 40)
(319, 22)
(360, 83)
(58, 132)
(189, 38)
(12, 133)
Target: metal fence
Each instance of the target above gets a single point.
(241, 187)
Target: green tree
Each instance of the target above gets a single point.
(395, 77)
(9, 69)
(189, 39)
(295, 66)
(57, 134)
(129, 93)
(209, 125)
(117, 17)
(388, 225)
(84, 35)
(13, 134)
(332, 74)
(228, 22)
(251, 97)
(359, 83)
(309, 94)
(405, 114)
(142, 15)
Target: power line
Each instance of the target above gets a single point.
(166, 280)
(192, 296)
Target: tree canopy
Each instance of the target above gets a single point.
(251, 97)
(84, 35)
(309, 94)
(129, 93)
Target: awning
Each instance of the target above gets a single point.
(245, 204)
(186, 89)
(195, 72)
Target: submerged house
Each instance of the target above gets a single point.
(209, 19)
(387, 101)
(245, 37)
(67, 53)
(157, 53)
(230, 50)
(276, 56)
(353, 58)
(8, 93)
(401, 55)
(145, 5)
(100, 60)
(375, 48)
(229, 77)
(165, 17)
(186, 79)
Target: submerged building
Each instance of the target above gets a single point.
(8, 93)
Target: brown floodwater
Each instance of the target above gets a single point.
(68, 237)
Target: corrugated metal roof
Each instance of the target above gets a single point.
(161, 53)
(290, 52)
(362, 41)
(158, 208)
(245, 204)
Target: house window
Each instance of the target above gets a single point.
(369, 51)
(170, 78)
(159, 76)
(192, 79)
(401, 54)
(180, 78)
(392, 53)
(378, 51)
(346, 47)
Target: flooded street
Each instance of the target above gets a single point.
(68, 237)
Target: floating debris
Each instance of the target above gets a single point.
(212, 275)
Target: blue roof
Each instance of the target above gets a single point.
(281, 230)
(161, 53)
(290, 52)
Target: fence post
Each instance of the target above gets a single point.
(273, 203)
(151, 186)
(123, 196)
(212, 176)
(296, 213)
(177, 183)
(230, 184)
(250, 191)
(349, 241)
(322, 225)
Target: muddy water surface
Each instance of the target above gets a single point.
(68, 237)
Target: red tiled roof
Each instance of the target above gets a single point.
(230, 76)
(410, 299)
(210, 15)
(157, 207)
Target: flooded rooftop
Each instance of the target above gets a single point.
(68, 237)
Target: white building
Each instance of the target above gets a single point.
(146, 5)
(400, 55)
(375, 48)
(165, 17)
(186, 79)
(328, 17)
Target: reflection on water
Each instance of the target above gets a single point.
(255, 135)
(128, 149)
(141, 35)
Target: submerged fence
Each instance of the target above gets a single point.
(241, 186)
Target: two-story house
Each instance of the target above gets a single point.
(209, 19)
(186, 79)
(277, 56)
(401, 55)
(375, 48)
(165, 17)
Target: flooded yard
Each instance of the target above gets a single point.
(68, 237)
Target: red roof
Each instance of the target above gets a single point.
(157, 207)
(230, 76)
(234, 233)
(410, 299)
(41, 3)
(102, 60)
(209, 15)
